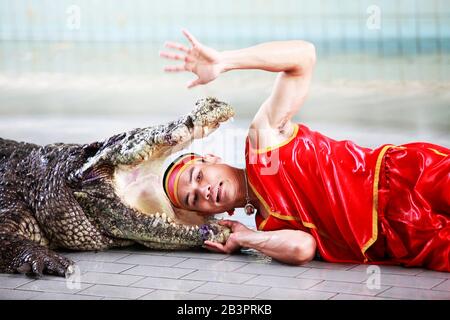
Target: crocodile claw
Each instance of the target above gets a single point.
(39, 262)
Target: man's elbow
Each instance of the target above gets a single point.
(306, 58)
(305, 251)
(310, 53)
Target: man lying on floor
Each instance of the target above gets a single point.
(312, 194)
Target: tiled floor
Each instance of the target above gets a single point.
(135, 273)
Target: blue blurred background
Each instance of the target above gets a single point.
(116, 37)
(81, 70)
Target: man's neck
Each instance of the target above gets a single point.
(244, 188)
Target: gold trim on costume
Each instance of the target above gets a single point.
(279, 145)
(375, 202)
(263, 223)
(375, 194)
(437, 152)
(277, 214)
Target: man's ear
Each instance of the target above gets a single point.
(210, 158)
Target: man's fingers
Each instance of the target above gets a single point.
(227, 223)
(174, 68)
(176, 45)
(214, 246)
(191, 38)
(212, 249)
(174, 56)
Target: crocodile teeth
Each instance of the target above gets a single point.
(157, 215)
(164, 216)
(169, 220)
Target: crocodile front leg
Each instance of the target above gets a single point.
(23, 247)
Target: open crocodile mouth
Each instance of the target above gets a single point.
(139, 185)
(143, 192)
(138, 158)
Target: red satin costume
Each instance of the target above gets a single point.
(388, 205)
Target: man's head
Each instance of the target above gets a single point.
(202, 183)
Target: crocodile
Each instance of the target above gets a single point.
(73, 196)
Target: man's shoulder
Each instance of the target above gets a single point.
(261, 135)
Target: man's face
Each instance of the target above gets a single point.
(208, 187)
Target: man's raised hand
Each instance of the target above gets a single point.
(203, 61)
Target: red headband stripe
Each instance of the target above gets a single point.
(173, 176)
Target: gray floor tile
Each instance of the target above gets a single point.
(348, 287)
(104, 256)
(389, 269)
(445, 286)
(75, 256)
(54, 286)
(219, 276)
(168, 284)
(185, 275)
(13, 281)
(109, 278)
(294, 294)
(249, 258)
(176, 295)
(161, 272)
(328, 265)
(272, 268)
(336, 275)
(115, 291)
(198, 254)
(415, 294)
(62, 296)
(434, 274)
(48, 277)
(233, 298)
(409, 281)
(204, 264)
(150, 260)
(138, 250)
(345, 296)
(100, 266)
(14, 294)
(237, 290)
(283, 282)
